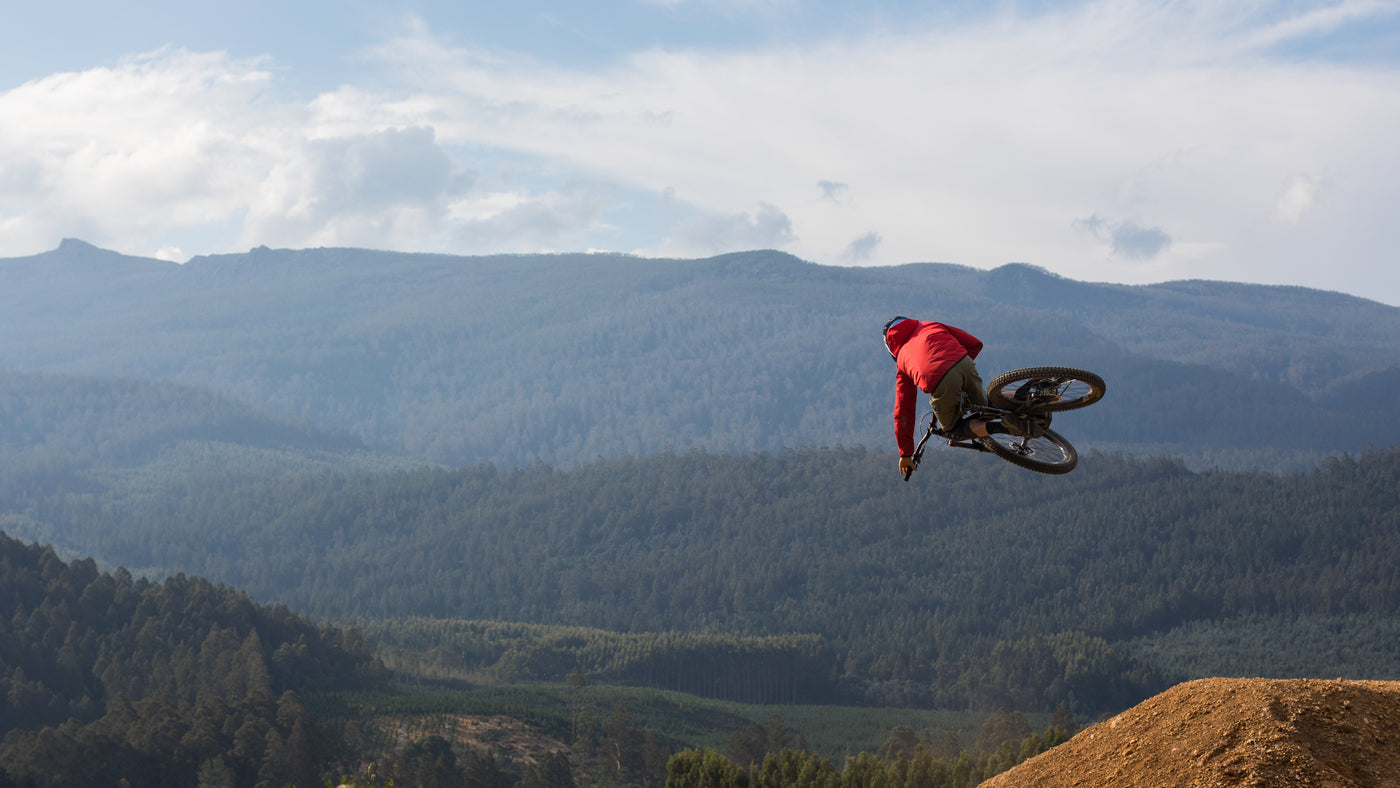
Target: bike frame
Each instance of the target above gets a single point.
(968, 411)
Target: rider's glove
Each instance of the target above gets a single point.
(906, 465)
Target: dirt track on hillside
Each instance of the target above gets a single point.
(1234, 732)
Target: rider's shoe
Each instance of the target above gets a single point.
(999, 428)
(961, 431)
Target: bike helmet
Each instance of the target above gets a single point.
(885, 334)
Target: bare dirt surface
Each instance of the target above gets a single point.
(505, 735)
(1234, 732)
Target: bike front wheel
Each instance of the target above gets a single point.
(1045, 389)
(1047, 453)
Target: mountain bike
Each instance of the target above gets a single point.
(1025, 399)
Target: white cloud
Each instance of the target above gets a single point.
(976, 141)
(1319, 21)
(1127, 239)
(1296, 199)
(862, 248)
(764, 227)
(977, 144)
(123, 154)
(558, 220)
(834, 191)
(177, 142)
(383, 188)
(1136, 242)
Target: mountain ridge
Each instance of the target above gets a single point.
(565, 358)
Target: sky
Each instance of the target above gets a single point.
(1129, 141)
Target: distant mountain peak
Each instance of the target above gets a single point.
(761, 255)
(76, 245)
(80, 252)
(1024, 269)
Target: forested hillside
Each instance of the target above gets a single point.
(975, 584)
(107, 680)
(89, 421)
(564, 359)
(781, 669)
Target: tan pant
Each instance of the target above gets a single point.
(961, 377)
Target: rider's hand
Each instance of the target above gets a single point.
(906, 466)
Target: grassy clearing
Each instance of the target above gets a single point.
(685, 721)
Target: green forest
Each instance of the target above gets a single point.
(814, 573)
(106, 678)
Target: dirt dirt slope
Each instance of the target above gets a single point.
(508, 736)
(1234, 732)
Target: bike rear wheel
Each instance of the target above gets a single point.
(1049, 452)
(1045, 389)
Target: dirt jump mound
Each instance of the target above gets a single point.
(1234, 732)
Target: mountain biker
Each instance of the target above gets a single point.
(937, 359)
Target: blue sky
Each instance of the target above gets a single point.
(1110, 140)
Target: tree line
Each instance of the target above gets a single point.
(776, 669)
(106, 679)
(760, 757)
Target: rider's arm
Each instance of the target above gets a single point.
(906, 403)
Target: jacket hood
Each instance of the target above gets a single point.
(898, 333)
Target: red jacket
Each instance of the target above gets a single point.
(923, 354)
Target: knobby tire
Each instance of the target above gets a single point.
(1047, 453)
(1075, 388)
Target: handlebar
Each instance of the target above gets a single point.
(919, 449)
